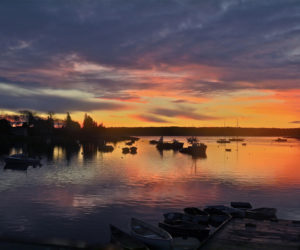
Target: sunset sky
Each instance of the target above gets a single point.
(153, 62)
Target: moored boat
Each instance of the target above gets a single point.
(125, 150)
(223, 141)
(199, 215)
(263, 213)
(197, 149)
(21, 159)
(236, 139)
(133, 150)
(281, 140)
(125, 241)
(152, 236)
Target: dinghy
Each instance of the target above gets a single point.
(125, 241)
(154, 237)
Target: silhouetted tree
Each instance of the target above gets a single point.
(89, 123)
(70, 124)
(29, 116)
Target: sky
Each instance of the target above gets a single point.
(154, 62)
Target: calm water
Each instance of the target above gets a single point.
(77, 194)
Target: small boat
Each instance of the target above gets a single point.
(228, 149)
(175, 218)
(192, 140)
(281, 140)
(21, 159)
(125, 150)
(263, 213)
(244, 144)
(186, 229)
(236, 139)
(174, 145)
(125, 241)
(199, 215)
(197, 149)
(133, 150)
(152, 236)
(154, 142)
(241, 205)
(234, 212)
(217, 216)
(223, 141)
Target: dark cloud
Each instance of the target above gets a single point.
(295, 122)
(149, 118)
(189, 114)
(16, 99)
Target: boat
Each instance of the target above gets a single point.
(197, 149)
(263, 213)
(152, 236)
(21, 159)
(124, 240)
(192, 140)
(199, 215)
(241, 205)
(223, 141)
(174, 145)
(175, 217)
(125, 150)
(186, 229)
(228, 149)
(234, 212)
(236, 139)
(244, 144)
(281, 140)
(217, 216)
(133, 150)
(153, 142)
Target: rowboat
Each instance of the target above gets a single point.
(152, 236)
(186, 229)
(125, 241)
(198, 214)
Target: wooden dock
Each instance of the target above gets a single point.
(250, 234)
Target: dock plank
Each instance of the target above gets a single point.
(249, 234)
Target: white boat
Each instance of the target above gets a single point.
(21, 159)
(152, 236)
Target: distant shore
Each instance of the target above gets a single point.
(202, 131)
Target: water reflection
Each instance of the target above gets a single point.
(80, 187)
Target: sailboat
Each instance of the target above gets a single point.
(237, 138)
(223, 140)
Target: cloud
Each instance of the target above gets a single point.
(114, 49)
(181, 113)
(295, 122)
(44, 100)
(149, 118)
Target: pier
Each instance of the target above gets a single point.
(249, 234)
